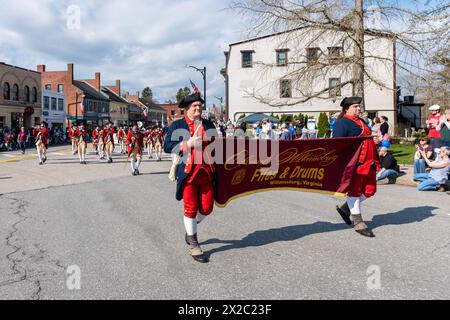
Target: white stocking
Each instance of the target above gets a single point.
(354, 204)
(190, 225)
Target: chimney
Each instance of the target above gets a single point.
(41, 68)
(118, 87)
(70, 72)
(97, 81)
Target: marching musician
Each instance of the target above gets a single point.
(108, 137)
(195, 178)
(158, 142)
(121, 139)
(73, 139)
(41, 140)
(134, 141)
(81, 136)
(95, 139)
(364, 182)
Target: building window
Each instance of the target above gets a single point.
(312, 55)
(53, 103)
(91, 107)
(282, 57)
(285, 88)
(60, 88)
(60, 104)
(334, 53)
(46, 103)
(37, 120)
(335, 87)
(172, 113)
(106, 108)
(26, 92)
(182, 112)
(247, 59)
(48, 87)
(2, 122)
(15, 92)
(34, 94)
(6, 91)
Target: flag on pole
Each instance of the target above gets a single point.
(196, 90)
(145, 112)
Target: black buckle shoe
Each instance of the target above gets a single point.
(196, 252)
(344, 212)
(366, 232)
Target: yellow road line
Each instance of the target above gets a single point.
(17, 159)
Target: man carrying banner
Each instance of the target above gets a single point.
(134, 141)
(41, 140)
(194, 178)
(81, 136)
(108, 137)
(364, 182)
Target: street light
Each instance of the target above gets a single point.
(203, 72)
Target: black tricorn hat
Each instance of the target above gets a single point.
(349, 101)
(190, 99)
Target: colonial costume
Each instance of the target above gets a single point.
(81, 136)
(73, 139)
(148, 142)
(134, 141)
(41, 141)
(364, 183)
(158, 138)
(108, 138)
(101, 144)
(95, 139)
(195, 179)
(121, 137)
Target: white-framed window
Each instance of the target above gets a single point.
(53, 104)
(247, 59)
(60, 104)
(282, 57)
(46, 102)
(60, 88)
(285, 88)
(335, 87)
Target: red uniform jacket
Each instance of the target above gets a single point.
(108, 134)
(96, 134)
(138, 143)
(43, 134)
(81, 134)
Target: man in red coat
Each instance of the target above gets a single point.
(41, 138)
(96, 133)
(195, 178)
(135, 143)
(108, 137)
(121, 139)
(73, 139)
(81, 137)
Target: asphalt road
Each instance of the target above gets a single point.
(125, 235)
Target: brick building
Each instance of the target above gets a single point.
(152, 114)
(173, 112)
(119, 106)
(84, 100)
(20, 99)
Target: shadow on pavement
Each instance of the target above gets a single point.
(292, 233)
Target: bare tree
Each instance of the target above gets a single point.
(418, 31)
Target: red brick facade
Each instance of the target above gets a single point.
(54, 78)
(173, 112)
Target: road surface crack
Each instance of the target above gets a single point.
(27, 262)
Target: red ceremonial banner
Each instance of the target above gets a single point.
(315, 165)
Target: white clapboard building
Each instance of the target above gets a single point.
(260, 74)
